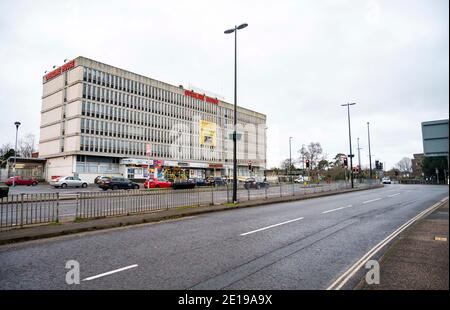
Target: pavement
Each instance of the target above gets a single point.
(302, 244)
(419, 259)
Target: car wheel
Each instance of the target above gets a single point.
(135, 186)
(64, 185)
(114, 187)
(105, 189)
(84, 185)
(34, 184)
(157, 186)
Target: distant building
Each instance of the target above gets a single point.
(97, 119)
(435, 138)
(416, 164)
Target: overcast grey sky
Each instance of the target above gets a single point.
(298, 61)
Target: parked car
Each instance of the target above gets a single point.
(301, 179)
(157, 183)
(200, 182)
(117, 183)
(64, 182)
(386, 180)
(18, 180)
(185, 184)
(256, 183)
(99, 178)
(215, 181)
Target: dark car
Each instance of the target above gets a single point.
(200, 182)
(184, 184)
(99, 178)
(117, 183)
(255, 183)
(216, 181)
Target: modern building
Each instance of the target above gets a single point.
(97, 119)
(435, 138)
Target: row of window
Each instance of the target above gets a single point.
(133, 87)
(128, 148)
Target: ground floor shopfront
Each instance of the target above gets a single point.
(89, 167)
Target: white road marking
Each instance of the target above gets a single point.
(369, 201)
(109, 272)
(343, 279)
(271, 226)
(349, 206)
(393, 195)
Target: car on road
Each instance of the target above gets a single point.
(386, 180)
(117, 183)
(215, 181)
(157, 183)
(256, 183)
(18, 180)
(63, 182)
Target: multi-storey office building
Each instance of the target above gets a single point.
(97, 119)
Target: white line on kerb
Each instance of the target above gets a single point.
(343, 279)
(369, 201)
(109, 272)
(271, 226)
(349, 206)
(393, 195)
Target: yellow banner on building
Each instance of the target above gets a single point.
(207, 133)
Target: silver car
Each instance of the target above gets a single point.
(64, 182)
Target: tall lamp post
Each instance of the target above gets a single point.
(235, 29)
(15, 154)
(350, 140)
(370, 155)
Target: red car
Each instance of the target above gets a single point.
(18, 180)
(157, 183)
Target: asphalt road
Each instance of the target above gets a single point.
(107, 203)
(297, 245)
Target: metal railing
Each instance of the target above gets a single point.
(28, 209)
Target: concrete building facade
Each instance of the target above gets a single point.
(97, 119)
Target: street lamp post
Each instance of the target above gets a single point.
(350, 140)
(15, 155)
(235, 29)
(370, 155)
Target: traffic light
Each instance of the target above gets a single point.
(381, 166)
(307, 163)
(345, 162)
(377, 164)
(250, 165)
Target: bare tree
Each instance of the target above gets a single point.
(26, 145)
(404, 165)
(315, 150)
(285, 165)
(5, 148)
